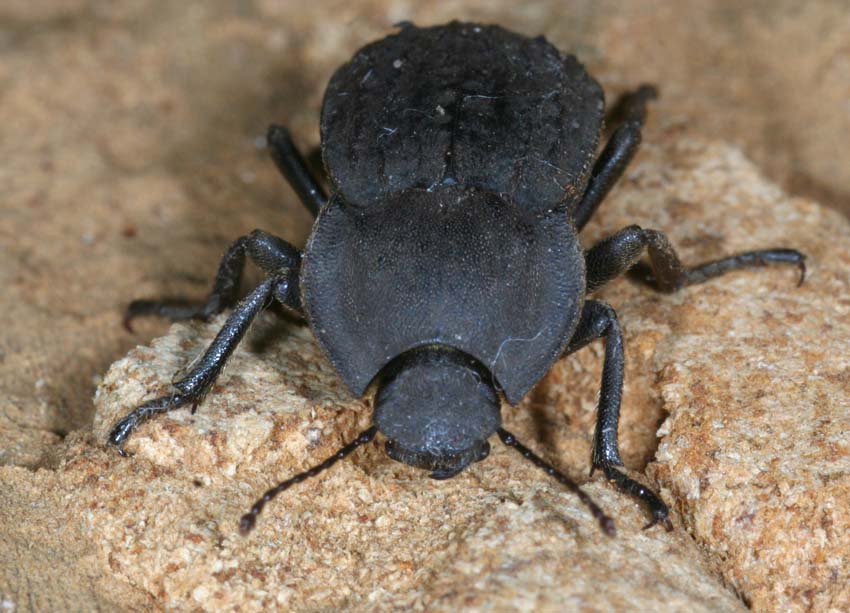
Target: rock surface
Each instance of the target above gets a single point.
(132, 160)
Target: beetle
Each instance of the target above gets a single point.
(445, 268)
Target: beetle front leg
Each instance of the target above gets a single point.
(192, 388)
(270, 253)
(598, 320)
(291, 164)
(614, 255)
(618, 152)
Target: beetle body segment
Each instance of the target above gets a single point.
(464, 104)
(454, 267)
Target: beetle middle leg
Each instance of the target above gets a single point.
(269, 252)
(614, 255)
(618, 152)
(598, 320)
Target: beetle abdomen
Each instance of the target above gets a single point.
(456, 267)
(463, 104)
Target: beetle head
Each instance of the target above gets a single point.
(437, 406)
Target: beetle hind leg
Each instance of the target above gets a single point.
(598, 320)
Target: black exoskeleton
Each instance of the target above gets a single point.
(446, 268)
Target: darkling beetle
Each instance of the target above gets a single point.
(446, 266)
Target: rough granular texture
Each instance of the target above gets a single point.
(759, 462)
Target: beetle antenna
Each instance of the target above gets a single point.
(605, 522)
(246, 524)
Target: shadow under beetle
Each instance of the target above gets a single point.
(446, 267)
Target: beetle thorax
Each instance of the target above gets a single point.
(454, 267)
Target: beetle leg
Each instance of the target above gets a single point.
(270, 253)
(614, 255)
(599, 320)
(618, 152)
(192, 388)
(291, 164)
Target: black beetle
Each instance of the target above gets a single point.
(446, 266)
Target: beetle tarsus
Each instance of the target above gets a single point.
(660, 519)
(125, 426)
(657, 508)
(173, 309)
(631, 107)
(802, 265)
(272, 254)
